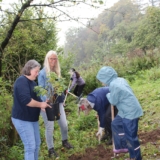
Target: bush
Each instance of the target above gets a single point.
(90, 79)
(7, 131)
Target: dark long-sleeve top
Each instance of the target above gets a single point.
(22, 95)
(101, 103)
(79, 81)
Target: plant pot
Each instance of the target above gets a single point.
(53, 113)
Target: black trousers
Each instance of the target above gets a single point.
(78, 90)
(108, 119)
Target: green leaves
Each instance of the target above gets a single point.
(31, 39)
(147, 35)
(40, 91)
(57, 83)
(54, 86)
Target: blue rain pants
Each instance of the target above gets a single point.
(124, 132)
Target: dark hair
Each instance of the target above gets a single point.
(77, 74)
(30, 65)
(73, 69)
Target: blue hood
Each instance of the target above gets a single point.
(106, 74)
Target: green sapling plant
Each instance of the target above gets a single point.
(55, 87)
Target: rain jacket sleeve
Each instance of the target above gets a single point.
(114, 96)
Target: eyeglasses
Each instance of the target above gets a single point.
(53, 59)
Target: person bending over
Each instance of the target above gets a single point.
(77, 82)
(97, 101)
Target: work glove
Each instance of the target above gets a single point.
(100, 132)
(68, 90)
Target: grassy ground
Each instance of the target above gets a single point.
(82, 129)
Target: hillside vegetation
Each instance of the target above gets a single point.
(82, 130)
(126, 37)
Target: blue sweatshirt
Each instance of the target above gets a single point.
(22, 95)
(101, 103)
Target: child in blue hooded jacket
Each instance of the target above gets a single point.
(125, 124)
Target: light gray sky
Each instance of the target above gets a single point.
(80, 11)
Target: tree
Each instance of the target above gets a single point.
(50, 5)
(147, 35)
(154, 2)
(114, 26)
(29, 41)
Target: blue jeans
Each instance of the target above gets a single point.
(30, 136)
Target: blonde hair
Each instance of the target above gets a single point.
(57, 68)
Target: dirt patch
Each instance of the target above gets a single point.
(105, 153)
(152, 137)
(99, 153)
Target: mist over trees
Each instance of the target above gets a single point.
(121, 29)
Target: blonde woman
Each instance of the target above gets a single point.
(51, 64)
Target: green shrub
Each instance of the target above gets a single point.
(86, 122)
(89, 76)
(7, 131)
(154, 74)
(16, 152)
(66, 64)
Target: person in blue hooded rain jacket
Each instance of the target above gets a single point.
(125, 124)
(97, 101)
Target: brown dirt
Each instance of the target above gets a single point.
(105, 153)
